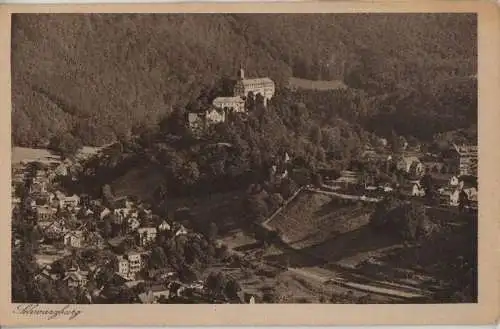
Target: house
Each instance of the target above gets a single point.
(104, 213)
(263, 86)
(162, 273)
(67, 201)
(176, 288)
(76, 278)
(123, 266)
(347, 178)
(74, 239)
(122, 212)
(454, 181)
(147, 297)
(181, 231)
(95, 240)
(154, 294)
(135, 262)
(461, 159)
(61, 170)
(197, 286)
(214, 116)
(132, 224)
(235, 104)
(45, 213)
(417, 190)
(45, 274)
(410, 164)
(54, 230)
(196, 122)
(38, 187)
(454, 197)
(164, 226)
(146, 235)
(471, 193)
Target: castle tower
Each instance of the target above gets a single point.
(241, 73)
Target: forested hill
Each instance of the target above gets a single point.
(101, 75)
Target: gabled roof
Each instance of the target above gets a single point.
(228, 99)
(247, 82)
(465, 149)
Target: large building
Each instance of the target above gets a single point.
(462, 160)
(198, 122)
(236, 103)
(222, 106)
(264, 86)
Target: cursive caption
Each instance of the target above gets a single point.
(47, 311)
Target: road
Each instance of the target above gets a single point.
(391, 290)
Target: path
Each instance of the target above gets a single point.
(398, 291)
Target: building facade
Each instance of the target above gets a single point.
(462, 160)
(235, 104)
(74, 239)
(264, 86)
(146, 235)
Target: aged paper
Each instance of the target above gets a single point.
(369, 302)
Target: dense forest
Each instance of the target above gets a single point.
(99, 77)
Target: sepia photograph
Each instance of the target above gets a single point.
(243, 158)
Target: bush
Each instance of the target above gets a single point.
(407, 221)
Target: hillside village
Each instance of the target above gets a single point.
(70, 225)
(119, 238)
(244, 158)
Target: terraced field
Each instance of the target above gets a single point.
(314, 218)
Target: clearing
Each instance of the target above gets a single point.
(26, 154)
(321, 85)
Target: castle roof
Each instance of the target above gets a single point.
(265, 80)
(228, 99)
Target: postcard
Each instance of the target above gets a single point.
(301, 163)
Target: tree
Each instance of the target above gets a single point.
(158, 259)
(316, 136)
(256, 207)
(212, 231)
(232, 288)
(66, 145)
(216, 282)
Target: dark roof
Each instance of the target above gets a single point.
(469, 180)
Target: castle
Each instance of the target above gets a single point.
(236, 103)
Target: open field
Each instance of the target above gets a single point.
(313, 218)
(20, 154)
(297, 83)
(26, 154)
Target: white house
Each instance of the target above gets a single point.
(410, 164)
(74, 239)
(454, 197)
(146, 235)
(237, 104)
(214, 116)
(133, 224)
(181, 231)
(76, 278)
(67, 201)
(471, 193)
(164, 226)
(104, 213)
(128, 265)
(417, 190)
